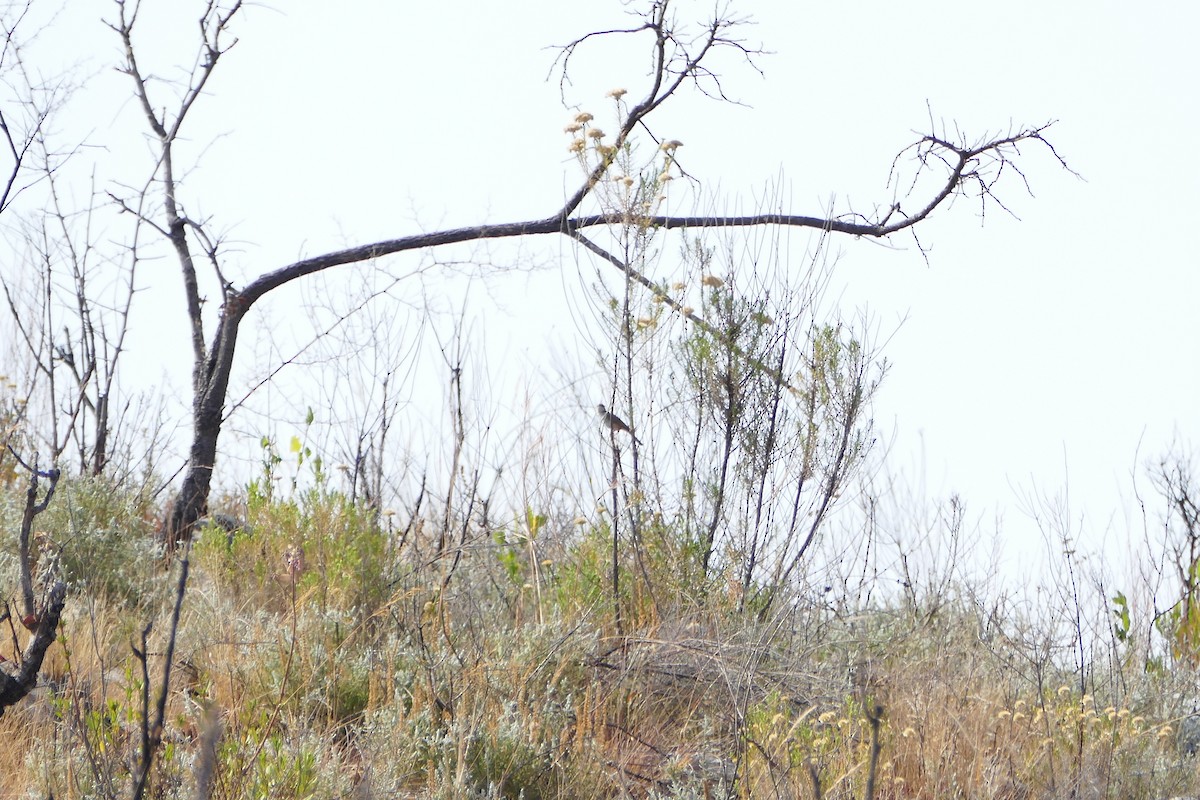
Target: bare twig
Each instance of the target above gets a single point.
(152, 723)
(875, 717)
(33, 507)
(42, 621)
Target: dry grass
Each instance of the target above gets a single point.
(320, 659)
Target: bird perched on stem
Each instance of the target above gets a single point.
(615, 423)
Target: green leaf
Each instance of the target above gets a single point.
(1121, 612)
(534, 522)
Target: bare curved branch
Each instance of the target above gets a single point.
(675, 62)
(969, 167)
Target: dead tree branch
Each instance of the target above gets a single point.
(43, 621)
(679, 56)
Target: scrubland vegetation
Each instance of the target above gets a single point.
(327, 649)
(723, 596)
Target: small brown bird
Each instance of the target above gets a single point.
(615, 423)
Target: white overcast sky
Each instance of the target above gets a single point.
(1032, 351)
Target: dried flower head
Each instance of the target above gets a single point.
(293, 557)
(712, 280)
(616, 94)
(670, 145)
(574, 127)
(583, 117)
(596, 133)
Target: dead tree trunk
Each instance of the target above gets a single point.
(208, 413)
